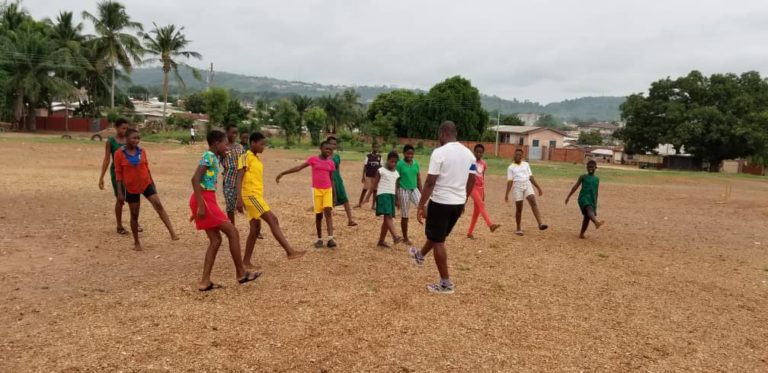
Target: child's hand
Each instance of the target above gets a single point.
(101, 184)
(566, 200)
(201, 212)
(421, 214)
(240, 206)
(541, 192)
(277, 179)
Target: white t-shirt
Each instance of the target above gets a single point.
(387, 181)
(452, 163)
(520, 174)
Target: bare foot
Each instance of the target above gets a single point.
(495, 227)
(138, 247)
(351, 224)
(296, 254)
(383, 245)
(408, 242)
(249, 267)
(582, 237)
(599, 224)
(398, 240)
(174, 237)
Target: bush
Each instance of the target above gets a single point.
(488, 136)
(419, 145)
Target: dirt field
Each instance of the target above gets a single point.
(674, 281)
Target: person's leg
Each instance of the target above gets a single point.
(134, 207)
(234, 250)
(119, 216)
(441, 260)
(319, 225)
(404, 228)
(328, 212)
(258, 229)
(535, 207)
(390, 222)
(214, 242)
(476, 201)
(250, 243)
(348, 209)
(584, 226)
(274, 226)
(519, 215)
(155, 200)
(373, 194)
(363, 194)
(383, 233)
(591, 215)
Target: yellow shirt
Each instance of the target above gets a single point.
(253, 179)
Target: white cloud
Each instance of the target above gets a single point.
(542, 50)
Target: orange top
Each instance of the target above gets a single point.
(135, 178)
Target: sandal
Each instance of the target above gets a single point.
(122, 231)
(210, 287)
(249, 276)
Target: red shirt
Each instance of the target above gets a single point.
(135, 178)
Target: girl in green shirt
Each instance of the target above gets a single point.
(587, 197)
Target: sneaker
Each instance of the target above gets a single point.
(440, 289)
(319, 244)
(331, 244)
(416, 256)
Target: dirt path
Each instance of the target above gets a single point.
(675, 281)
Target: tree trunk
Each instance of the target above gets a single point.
(165, 95)
(18, 111)
(112, 93)
(32, 118)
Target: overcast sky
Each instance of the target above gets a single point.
(542, 50)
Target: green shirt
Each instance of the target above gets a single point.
(408, 174)
(588, 193)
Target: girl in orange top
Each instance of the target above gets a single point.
(133, 179)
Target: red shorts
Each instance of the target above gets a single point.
(214, 217)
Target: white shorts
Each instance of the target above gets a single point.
(522, 190)
(406, 199)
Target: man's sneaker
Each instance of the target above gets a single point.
(319, 244)
(416, 256)
(440, 289)
(331, 243)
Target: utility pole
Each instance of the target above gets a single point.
(498, 127)
(209, 78)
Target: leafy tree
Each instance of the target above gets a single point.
(216, 105)
(549, 121)
(590, 138)
(236, 113)
(714, 118)
(397, 105)
(511, 120)
(287, 117)
(454, 99)
(195, 103)
(334, 108)
(302, 103)
(384, 127)
(315, 120)
(169, 44)
(113, 44)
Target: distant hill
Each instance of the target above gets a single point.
(250, 87)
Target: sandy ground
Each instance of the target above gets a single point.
(674, 281)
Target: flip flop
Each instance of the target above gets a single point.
(260, 237)
(248, 277)
(383, 245)
(210, 287)
(141, 229)
(122, 231)
(519, 232)
(543, 227)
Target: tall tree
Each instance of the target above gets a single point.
(302, 103)
(113, 43)
(287, 117)
(316, 119)
(397, 105)
(68, 39)
(216, 105)
(454, 99)
(169, 44)
(334, 108)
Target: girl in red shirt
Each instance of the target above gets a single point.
(478, 194)
(133, 179)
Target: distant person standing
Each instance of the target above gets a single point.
(520, 177)
(340, 192)
(370, 171)
(450, 177)
(113, 144)
(192, 135)
(409, 187)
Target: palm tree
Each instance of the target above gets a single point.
(302, 103)
(334, 107)
(168, 43)
(67, 41)
(31, 62)
(114, 45)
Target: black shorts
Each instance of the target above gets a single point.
(440, 220)
(135, 198)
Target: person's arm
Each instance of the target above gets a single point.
(509, 187)
(536, 185)
(291, 171)
(363, 178)
(105, 164)
(573, 190)
(333, 187)
(418, 180)
(429, 186)
(470, 184)
(239, 183)
(397, 192)
(119, 177)
(196, 178)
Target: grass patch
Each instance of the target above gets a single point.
(602, 255)
(177, 136)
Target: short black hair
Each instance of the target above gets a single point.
(229, 127)
(324, 143)
(256, 136)
(332, 138)
(120, 121)
(393, 154)
(408, 147)
(479, 146)
(215, 136)
(130, 131)
(591, 161)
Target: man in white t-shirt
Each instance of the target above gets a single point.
(450, 178)
(520, 180)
